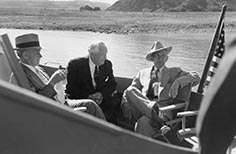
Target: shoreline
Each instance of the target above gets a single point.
(124, 31)
(113, 22)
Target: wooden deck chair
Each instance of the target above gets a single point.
(184, 95)
(5, 70)
(216, 118)
(13, 62)
(15, 66)
(187, 133)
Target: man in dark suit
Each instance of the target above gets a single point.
(92, 77)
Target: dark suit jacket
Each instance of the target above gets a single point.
(80, 84)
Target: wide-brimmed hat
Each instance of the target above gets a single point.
(157, 47)
(27, 41)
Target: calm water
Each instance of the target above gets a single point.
(127, 52)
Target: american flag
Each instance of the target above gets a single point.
(218, 54)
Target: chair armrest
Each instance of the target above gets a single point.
(82, 108)
(187, 113)
(187, 132)
(174, 121)
(172, 107)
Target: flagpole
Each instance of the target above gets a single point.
(211, 50)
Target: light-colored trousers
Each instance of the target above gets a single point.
(138, 107)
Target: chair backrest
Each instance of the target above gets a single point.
(5, 70)
(122, 83)
(13, 61)
(184, 93)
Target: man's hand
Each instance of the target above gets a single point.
(174, 89)
(97, 97)
(57, 76)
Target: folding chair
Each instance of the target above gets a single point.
(180, 105)
(13, 62)
(187, 132)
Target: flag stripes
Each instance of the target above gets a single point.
(218, 54)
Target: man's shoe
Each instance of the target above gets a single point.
(164, 129)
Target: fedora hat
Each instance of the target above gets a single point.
(157, 47)
(27, 41)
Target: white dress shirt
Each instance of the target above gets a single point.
(92, 70)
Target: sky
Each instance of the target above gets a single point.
(106, 1)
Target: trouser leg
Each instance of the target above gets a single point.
(140, 104)
(143, 126)
(110, 111)
(92, 107)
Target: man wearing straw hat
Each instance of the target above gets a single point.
(156, 87)
(29, 51)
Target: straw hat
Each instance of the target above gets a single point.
(157, 47)
(27, 41)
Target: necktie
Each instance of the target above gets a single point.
(96, 76)
(154, 79)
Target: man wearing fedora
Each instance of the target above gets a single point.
(155, 87)
(29, 51)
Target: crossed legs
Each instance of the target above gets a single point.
(137, 106)
(134, 104)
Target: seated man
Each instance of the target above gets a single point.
(28, 50)
(152, 88)
(92, 77)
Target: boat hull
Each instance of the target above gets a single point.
(34, 124)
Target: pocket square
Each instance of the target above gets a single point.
(107, 78)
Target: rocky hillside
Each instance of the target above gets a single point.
(171, 5)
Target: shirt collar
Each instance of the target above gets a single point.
(160, 69)
(30, 66)
(91, 64)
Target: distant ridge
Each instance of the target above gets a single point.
(171, 5)
(47, 4)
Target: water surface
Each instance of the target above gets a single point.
(127, 52)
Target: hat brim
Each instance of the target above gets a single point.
(149, 55)
(27, 48)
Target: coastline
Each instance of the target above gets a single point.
(114, 22)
